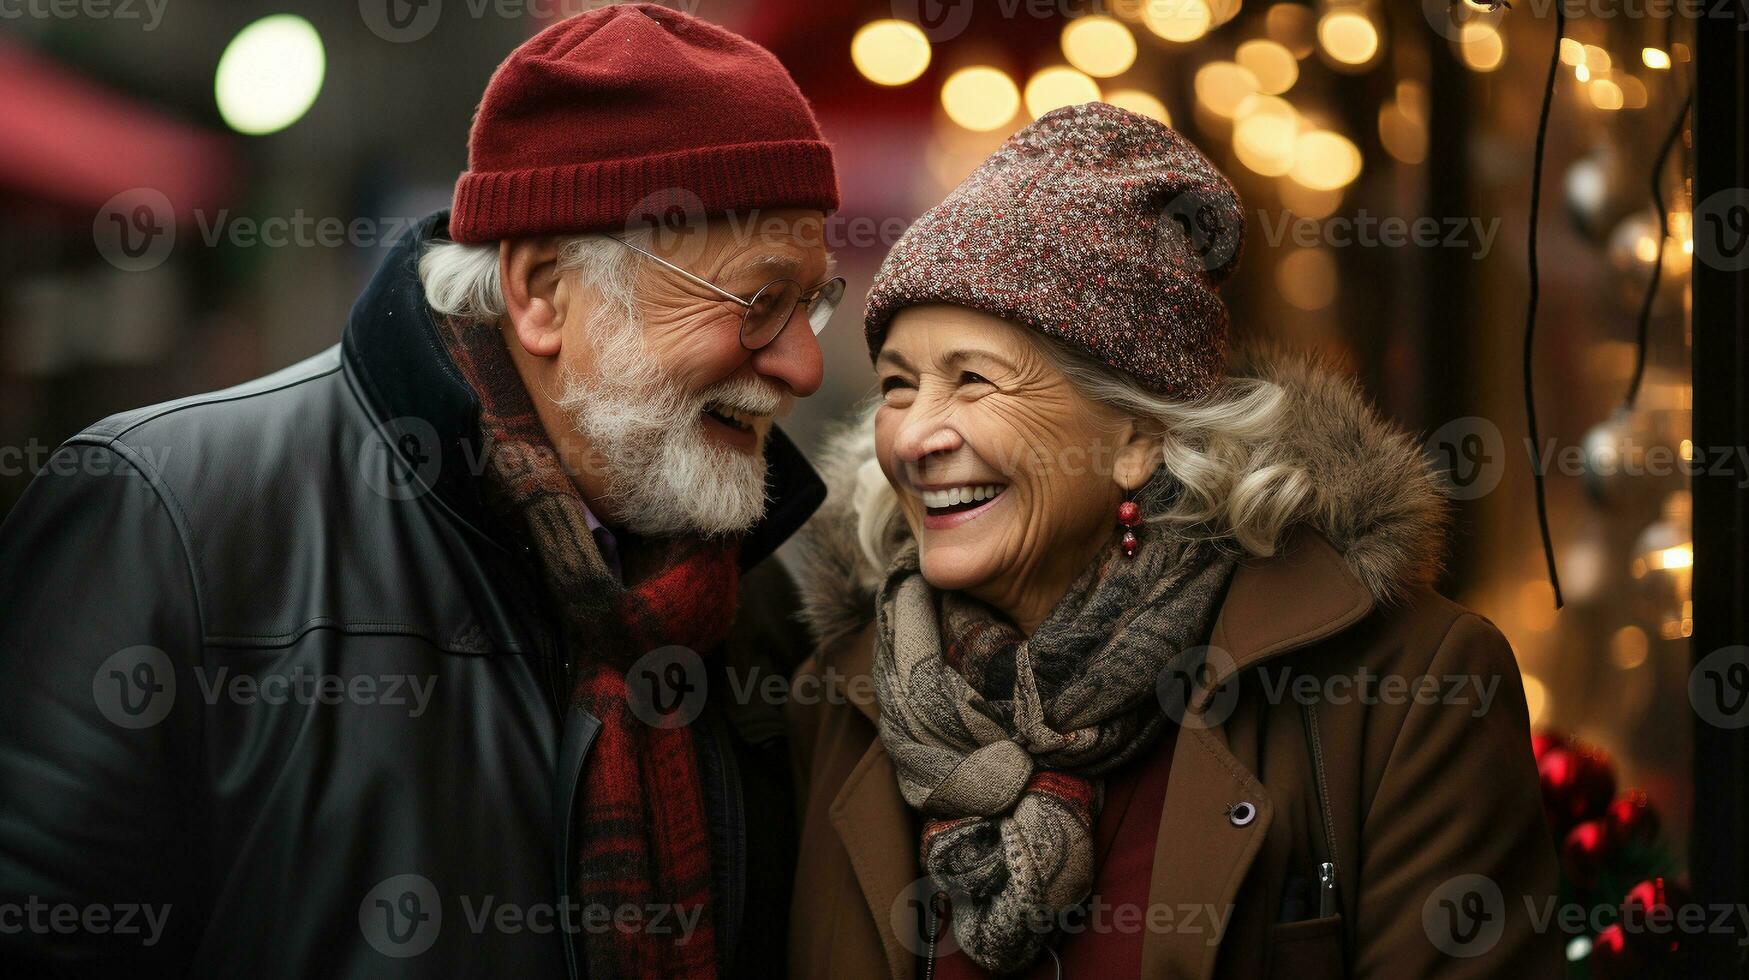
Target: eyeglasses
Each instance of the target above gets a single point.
(765, 315)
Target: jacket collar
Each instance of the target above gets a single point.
(392, 350)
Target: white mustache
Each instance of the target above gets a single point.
(749, 395)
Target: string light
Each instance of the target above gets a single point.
(1348, 36)
(980, 98)
(1182, 21)
(1656, 59)
(1221, 85)
(1099, 45)
(890, 52)
(1053, 88)
(1324, 161)
(1140, 102)
(1273, 64)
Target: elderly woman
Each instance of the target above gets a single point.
(1129, 665)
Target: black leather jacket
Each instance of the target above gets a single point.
(277, 699)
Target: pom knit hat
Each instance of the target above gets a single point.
(1095, 226)
(624, 112)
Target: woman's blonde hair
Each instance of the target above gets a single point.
(1235, 477)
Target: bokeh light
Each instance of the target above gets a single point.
(1306, 278)
(1274, 65)
(1221, 85)
(1140, 102)
(1348, 36)
(890, 52)
(270, 74)
(1182, 21)
(980, 97)
(1053, 88)
(1099, 45)
(1325, 161)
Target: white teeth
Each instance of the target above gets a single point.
(959, 495)
(739, 416)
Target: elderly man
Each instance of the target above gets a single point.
(420, 657)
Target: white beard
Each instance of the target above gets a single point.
(663, 477)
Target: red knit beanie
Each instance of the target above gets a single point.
(631, 107)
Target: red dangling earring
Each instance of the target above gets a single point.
(1129, 514)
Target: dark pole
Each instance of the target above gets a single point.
(1720, 845)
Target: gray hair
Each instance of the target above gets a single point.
(1236, 478)
(462, 281)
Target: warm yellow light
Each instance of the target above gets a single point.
(1480, 46)
(1290, 25)
(1646, 248)
(1596, 59)
(980, 97)
(1412, 99)
(1655, 58)
(1628, 647)
(1325, 161)
(1572, 52)
(1606, 94)
(1274, 65)
(1182, 21)
(1633, 91)
(1348, 37)
(1582, 73)
(1221, 85)
(1221, 11)
(1053, 88)
(1265, 135)
(1681, 556)
(1536, 698)
(890, 52)
(1140, 102)
(1403, 136)
(1101, 46)
(1306, 278)
(1686, 450)
(1308, 203)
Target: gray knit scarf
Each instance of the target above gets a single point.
(1002, 741)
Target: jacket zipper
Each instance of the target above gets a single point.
(937, 909)
(1327, 870)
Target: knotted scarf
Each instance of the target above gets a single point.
(642, 832)
(1001, 740)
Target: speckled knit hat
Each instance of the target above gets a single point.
(1094, 225)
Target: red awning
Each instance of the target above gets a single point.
(68, 141)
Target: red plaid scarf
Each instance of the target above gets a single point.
(644, 839)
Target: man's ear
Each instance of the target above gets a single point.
(1138, 455)
(528, 271)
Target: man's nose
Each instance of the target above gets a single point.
(793, 358)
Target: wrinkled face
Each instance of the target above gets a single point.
(1006, 474)
(675, 408)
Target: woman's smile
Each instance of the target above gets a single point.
(951, 505)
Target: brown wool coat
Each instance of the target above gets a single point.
(1417, 791)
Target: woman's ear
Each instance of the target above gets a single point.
(1138, 456)
(528, 271)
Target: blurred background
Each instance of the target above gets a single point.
(193, 191)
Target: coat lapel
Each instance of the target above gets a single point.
(872, 820)
(1301, 595)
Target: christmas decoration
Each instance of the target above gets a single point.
(1612, 863)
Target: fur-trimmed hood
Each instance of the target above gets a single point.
(1377, 500)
